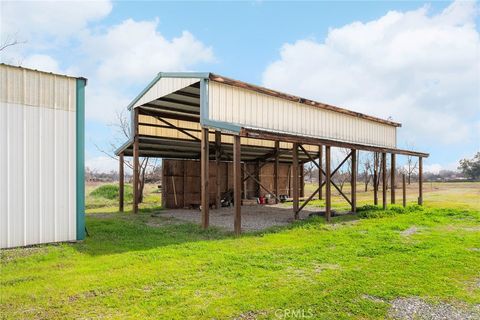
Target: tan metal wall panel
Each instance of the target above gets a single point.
(163, 87)
(260, 111)
(37, 89)
(173, 133)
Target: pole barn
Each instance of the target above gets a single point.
(212, 119)
(42, 191)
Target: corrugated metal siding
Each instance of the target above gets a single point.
(163, 87)
(174, 133)
(38, 158)
(260, 111)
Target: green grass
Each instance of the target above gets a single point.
(104, 198)
(144, 266)
(111, 192)
(139, 266)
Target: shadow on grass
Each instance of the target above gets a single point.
(112, 233)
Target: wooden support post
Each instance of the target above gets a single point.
(121, 182)
(136, 168)
(420, 180)
(257, 176)
(302, 180)
(204, 164)
(328, 186)
(295, 179)
(184, 203)
(320, 174)
(384, 180)
(218, 145)
(354, 181)
(404, 189)
(375, 178)
(392, 178)
(245, 181)
(275, 171)
(237, 184)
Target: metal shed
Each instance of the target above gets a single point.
(209, 117)
(42, 160)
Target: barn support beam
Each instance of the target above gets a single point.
(295, 180)
(404, 190)
(204, 164)
(245, 184)
(375, 178)
(261, 185)
(320, 174)
(237, 185)
(302, 179)
(353, 181)
(275, 171)
(332, 173)
(121, 182)
(328, 187)
(392, 178)
(136, 168)
(384, 180)
(420, 180)
(258, 167)
(218, 146)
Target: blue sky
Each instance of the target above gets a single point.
(416, 62)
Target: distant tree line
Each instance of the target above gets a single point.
(471, 167)
(152, 175)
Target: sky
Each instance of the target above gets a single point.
(417, 63)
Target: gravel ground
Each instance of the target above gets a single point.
(255, 217)
(416, 308)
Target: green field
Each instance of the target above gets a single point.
(139, 266)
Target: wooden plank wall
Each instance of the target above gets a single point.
(181, 181)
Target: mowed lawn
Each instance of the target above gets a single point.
(143, 266)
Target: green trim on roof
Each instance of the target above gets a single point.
(80, 170)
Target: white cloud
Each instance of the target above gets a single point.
(421, 70)
(433, 168)
(41, 19)
(131, 54)
(134, 51)
(102, 164)
(41, 62)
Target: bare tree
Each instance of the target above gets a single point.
(9, 42)
(411, 168)
(367, 170)
(344, 172)
(146, 166)
(308, 172)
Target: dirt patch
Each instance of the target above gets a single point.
(416, 308)
(410, 231)
(250, 315)
(254, 218)
(157, 221)
(7, 255)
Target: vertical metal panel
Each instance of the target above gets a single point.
(260, 111)
(4, 137)
(37, 167)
